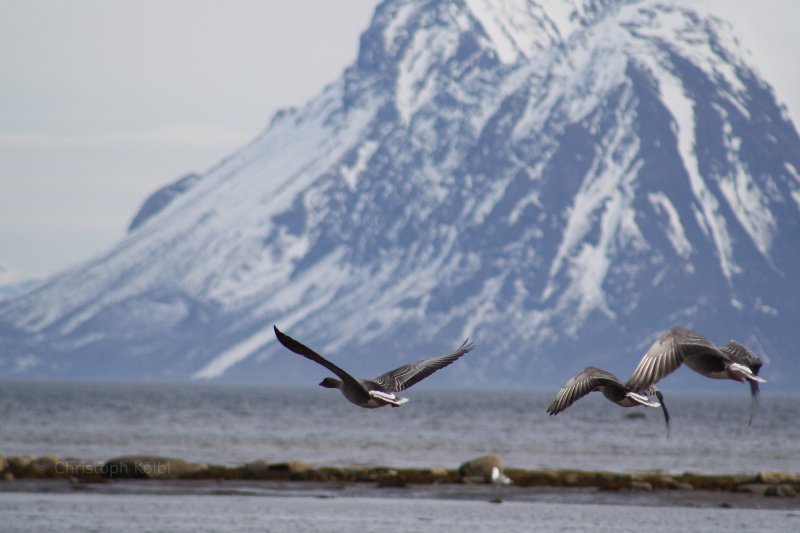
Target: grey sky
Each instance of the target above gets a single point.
(101, 102)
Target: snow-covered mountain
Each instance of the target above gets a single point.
(13, 282)
(560, 181)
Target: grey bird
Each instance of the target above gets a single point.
(681, 346)
(380, 391)
(592, 379)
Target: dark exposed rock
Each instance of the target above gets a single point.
(782, 490)
(18, 462)
(160, 199)
(292, 467)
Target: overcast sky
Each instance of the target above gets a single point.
(102, 102)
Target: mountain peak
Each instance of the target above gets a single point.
(564, 178)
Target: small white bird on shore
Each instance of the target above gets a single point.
(499, 478)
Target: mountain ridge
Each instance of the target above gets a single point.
(464, 178)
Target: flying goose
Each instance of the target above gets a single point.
(679, 345)
(380, 391)
(592, 379)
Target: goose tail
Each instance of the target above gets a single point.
(642, 399)
(391, 399)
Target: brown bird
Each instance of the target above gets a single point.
(592, 379)
(680, 346)
(380, 391)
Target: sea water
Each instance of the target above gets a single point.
(110, 512)
(235, 424)
(229, 424)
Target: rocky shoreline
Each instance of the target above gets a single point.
(487, 470)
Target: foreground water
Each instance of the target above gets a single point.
(108, 512)
(237, 424)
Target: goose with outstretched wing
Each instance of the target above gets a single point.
(380, 391)
(592, 379)
(679, 346)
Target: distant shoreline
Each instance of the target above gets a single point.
(165, 475)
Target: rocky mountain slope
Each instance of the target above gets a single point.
(559, 184)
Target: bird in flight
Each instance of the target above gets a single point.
(681, 346)
(592, 379)
(379, 391)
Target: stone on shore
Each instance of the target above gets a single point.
(48, 460)
(571, 479)
(774, 478)
(435, 472)
(149, 467)
(297, 466)
(643, 486)
(480, 469)
(256, 467)
(3, 464)
(759, 489)
(293, 467)
(781, 490)
(261, 468)
(43, 466)
(19, 462)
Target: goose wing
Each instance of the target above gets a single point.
(579, 385)
(407, 375)
(667, 354)
(740, 354)
(301, 349)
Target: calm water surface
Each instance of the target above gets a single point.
(108, 512)
(237, 424)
